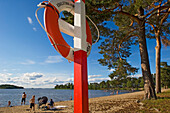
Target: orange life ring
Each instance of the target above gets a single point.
(51, 17)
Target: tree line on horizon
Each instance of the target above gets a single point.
(127, 83)
(9, 86)
(134, 21)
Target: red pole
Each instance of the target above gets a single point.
(80, 60)
(80, 82)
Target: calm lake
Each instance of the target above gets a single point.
(14, 95)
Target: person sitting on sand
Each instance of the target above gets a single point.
(41, 101)
(51, 103)
(23, 98)
(32, 103)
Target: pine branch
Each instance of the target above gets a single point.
(159, 8)
(162, 20)
(154, 28)
(165, 17)
(117, 12)
(127, 37)
(131, 23)
(156, 14)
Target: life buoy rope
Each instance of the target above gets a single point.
(45, 29)
(98, 33)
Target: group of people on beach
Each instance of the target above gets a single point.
(32, 102)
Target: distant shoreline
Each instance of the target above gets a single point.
(8, 86)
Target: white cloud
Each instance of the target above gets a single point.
(30, 20)
(5, 70)
(28, 62)
(93, 76)
(43, 80)
(5, 74)
(33, 76)
(98, 79)
(136, 76)
(35, 79)
(5, 77)
(58, 81)
(54, 59)
(111, 70)
(34, 29)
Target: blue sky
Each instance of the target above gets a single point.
(28, 59)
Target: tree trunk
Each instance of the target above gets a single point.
(158, 58)
(149, 89)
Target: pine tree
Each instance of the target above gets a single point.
(159, 29)
(115, 51)
(131, 17)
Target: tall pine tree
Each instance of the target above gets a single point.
(159, 29)
(130, 16)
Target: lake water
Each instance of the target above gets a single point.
(14, 95)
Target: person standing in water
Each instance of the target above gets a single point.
(23, 98)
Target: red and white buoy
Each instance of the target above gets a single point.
(82, 43)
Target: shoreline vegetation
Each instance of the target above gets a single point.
(129, 83)
(8, 86)
(129, 102)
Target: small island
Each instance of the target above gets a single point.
(8, 86)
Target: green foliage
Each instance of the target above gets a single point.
(66, 86)
(127, 84)
(137, 84)
(115, 50)
(94, 86)
(141, 83)
(8, 86)
(122, 70)
(165, 75)
(68, 17)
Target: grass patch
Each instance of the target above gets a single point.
(162, 103)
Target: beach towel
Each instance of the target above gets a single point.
(58, 107)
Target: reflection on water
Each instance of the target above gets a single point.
(14, 95)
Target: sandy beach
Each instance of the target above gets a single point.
(108, 104)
